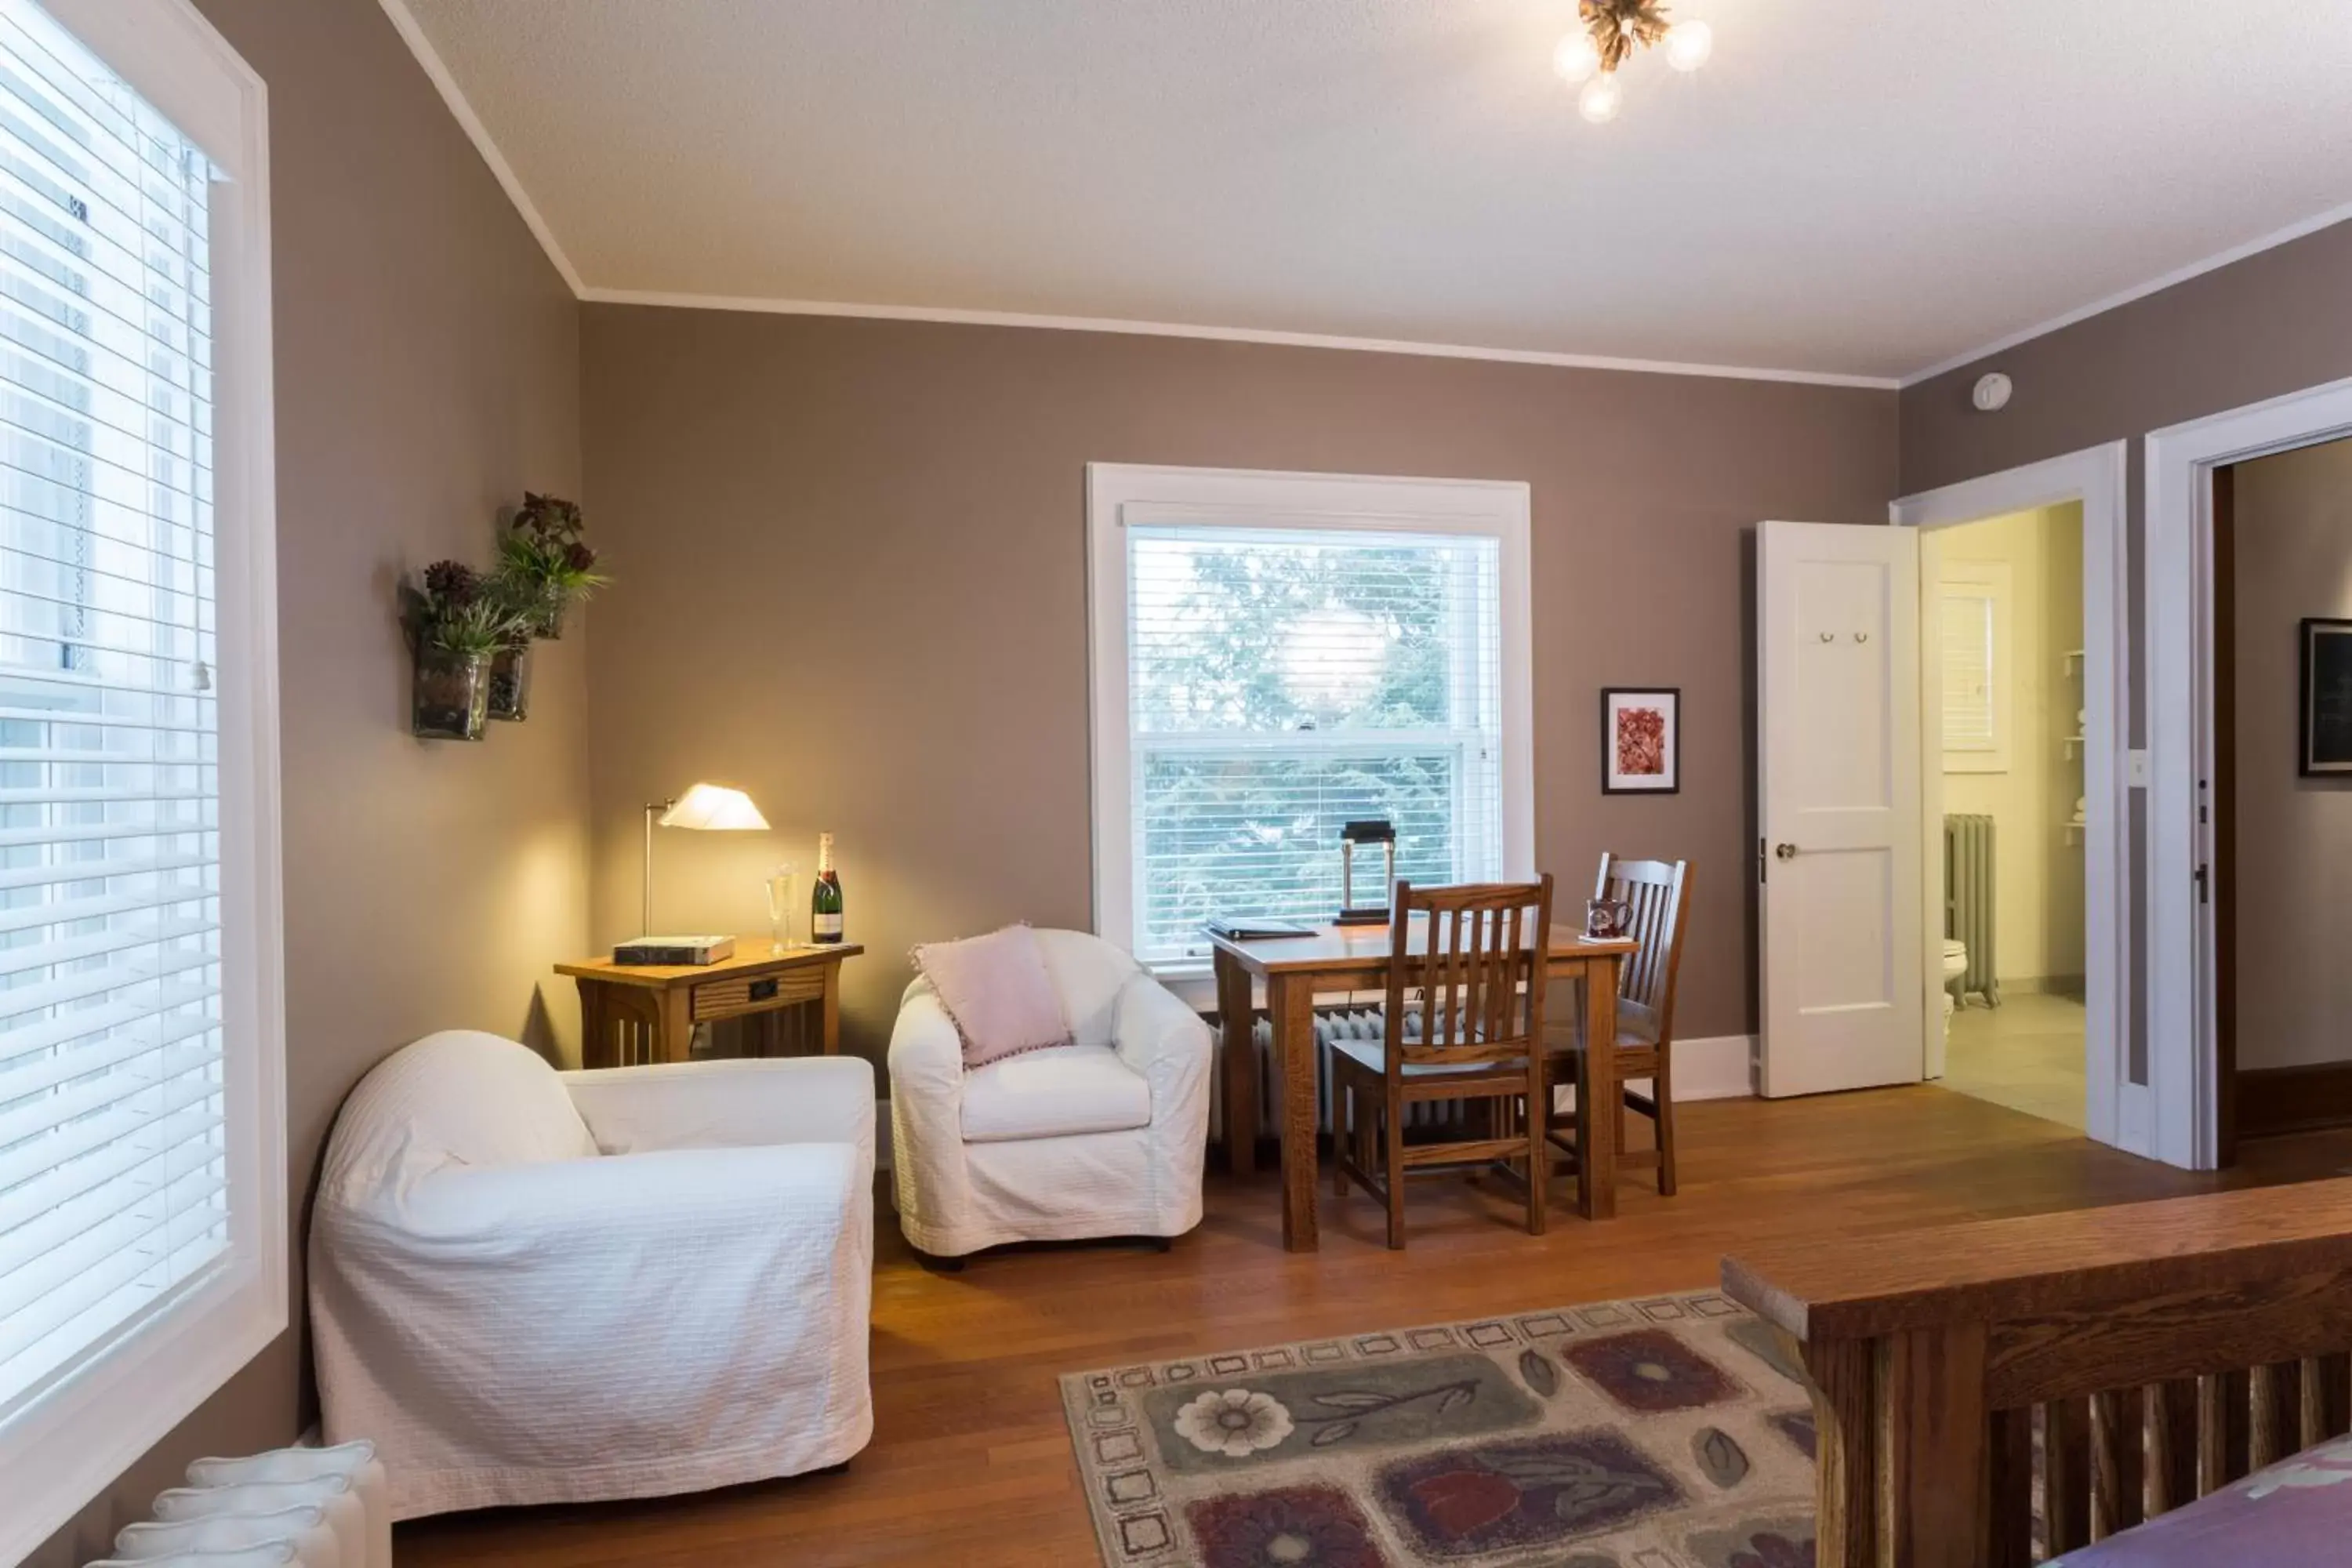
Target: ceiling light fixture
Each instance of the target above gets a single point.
(1611, 31)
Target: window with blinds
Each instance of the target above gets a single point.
(112, 1092)
(1282, 681)
(1973, 610)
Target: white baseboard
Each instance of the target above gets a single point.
(2063, 986)
(1719, 1067)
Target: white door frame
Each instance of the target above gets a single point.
(2116, 1112)
(2183, 1034)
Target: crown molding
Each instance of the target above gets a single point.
(412, 33)
(2213, 263)
(760, 306)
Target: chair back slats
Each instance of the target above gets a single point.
(1478, 968)
(1654, 889)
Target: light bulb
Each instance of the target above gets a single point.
(1576, 59)
(1601, 99)
(1689, 43)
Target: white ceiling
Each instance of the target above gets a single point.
(1857, 187)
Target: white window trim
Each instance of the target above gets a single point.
(1117, 492)
(73, 1441)
(1991, 580)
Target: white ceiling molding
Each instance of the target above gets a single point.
(402, 13)
(405, 23)
(1226, 335)
(2213, 263)
(411, 32)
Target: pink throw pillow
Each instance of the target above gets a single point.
(997, 990)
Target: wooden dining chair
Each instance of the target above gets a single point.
(1645, 1009)
(1462, 1020)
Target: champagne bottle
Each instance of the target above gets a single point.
(824, 900)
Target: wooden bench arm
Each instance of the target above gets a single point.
(2168, 1347)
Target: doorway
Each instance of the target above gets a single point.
(1851, 874)
(2200, 639)
(2281, 579)
(2005, 746)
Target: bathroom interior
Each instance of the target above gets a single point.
(2010, 641)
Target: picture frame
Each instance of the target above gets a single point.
(1640, 739)
(2324, 725)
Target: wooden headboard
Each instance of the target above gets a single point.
(2170, 1348)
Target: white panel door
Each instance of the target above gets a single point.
(1839, 749)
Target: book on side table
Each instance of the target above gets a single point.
(679, 951)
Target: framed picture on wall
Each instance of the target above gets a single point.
(2326, 697)
(1640, 740)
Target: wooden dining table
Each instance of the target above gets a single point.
(1294, 969)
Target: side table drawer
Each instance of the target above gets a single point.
(756, 993)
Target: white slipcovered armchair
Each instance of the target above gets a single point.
(534, 1286)
(1101, 1137)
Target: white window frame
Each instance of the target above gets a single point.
(1119, 493)
(1989, 581)
(126, 1394)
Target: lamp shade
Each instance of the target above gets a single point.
(712, 806)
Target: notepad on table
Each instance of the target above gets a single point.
(1234, 929)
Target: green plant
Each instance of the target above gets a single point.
(545, 563)
(460, 613)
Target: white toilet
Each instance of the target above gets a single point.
(1956, 965)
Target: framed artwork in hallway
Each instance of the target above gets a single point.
(2326, 697)
(1640, 740)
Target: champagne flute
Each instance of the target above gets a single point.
(781, 878)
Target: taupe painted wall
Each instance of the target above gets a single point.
(427, 367)
(2295, 834)
(2273, 323)
(853, 562)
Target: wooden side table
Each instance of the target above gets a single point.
(631, 1015)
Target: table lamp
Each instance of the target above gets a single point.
(707, 807)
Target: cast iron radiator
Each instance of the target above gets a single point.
(1968, 900)
(1330, 1023)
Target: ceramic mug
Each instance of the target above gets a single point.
(1605, 920)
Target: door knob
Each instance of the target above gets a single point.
(1785, 851)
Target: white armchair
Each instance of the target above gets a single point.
(534, 1286)
(1101, 1137)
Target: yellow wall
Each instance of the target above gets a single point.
(2038, 910)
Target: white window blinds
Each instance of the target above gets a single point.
(111, 1098)
(1967, 669)
(1284, 682)
(1973, 612)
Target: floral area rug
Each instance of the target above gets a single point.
(1661, 1433)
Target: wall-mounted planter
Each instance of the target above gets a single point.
(511, 684)
(452, 696)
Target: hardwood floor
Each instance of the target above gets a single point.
(969, 1462)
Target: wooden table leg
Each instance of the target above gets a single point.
(596, 1048)
(1932, 1431)
(831, 1006)
(676, 1042)
(1596, 1089)
(1845, 1471)
(1291, 1000)
(1237, 1020)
